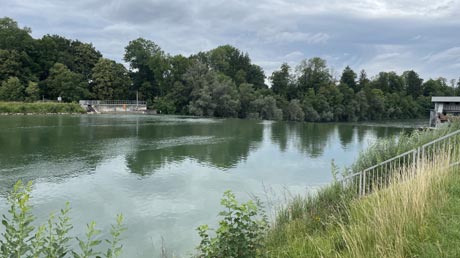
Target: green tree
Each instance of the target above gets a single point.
(12, 37)
(413, 84)
(312, 73)
(12, 90)
(33, 91)
(247, 96)
(363, 81)
(85, 58)
(148, 65)
(111, 80)
(349, 78)
(66, 84)
(281, 80)
(265, 108)
(10, 64)
(294, 111)
(233, 63)
(225, 97)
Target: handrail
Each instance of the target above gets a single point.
(389, 160)
(441, 138)
(112, 102)
(413, 156)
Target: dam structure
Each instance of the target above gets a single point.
(114, 106)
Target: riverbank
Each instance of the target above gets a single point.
(415, 218)
(24, 108)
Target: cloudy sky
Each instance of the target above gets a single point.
(376, 35)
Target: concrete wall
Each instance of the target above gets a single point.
(120, 108)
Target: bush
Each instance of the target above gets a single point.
(39, 108)
(22, 239)
(240, 232)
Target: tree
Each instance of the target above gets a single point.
(33, 91)
(363, 81)
(12, 37)
(247, 96)
(225, 97)
(85, 58)
(111, 80)
(413, 84)
(66, 84)
(147, 63)
(12, 90)
(281, 80)
(349, 78)
(265, 108)
(231, 62)
(312, 73)
(10, 64)
(294, 111)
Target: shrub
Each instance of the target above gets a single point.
(22, 239)
(240, 232)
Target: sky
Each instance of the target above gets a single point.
(375, 35)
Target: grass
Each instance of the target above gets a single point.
(417, 217)
(39, 108)
(387, 148)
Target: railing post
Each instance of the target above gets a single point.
(422, 158)
(363, 176)
(360, 185)
(414, 160)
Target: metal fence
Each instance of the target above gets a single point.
(112, 102)
(404, 165)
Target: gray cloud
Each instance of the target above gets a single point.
(376, 35)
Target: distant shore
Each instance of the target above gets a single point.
(32, 108)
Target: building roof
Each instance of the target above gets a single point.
(445, 99)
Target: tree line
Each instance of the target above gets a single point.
(222, 82)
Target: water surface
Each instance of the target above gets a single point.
(166, 174)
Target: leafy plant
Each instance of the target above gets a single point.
(240, 233)
(52, 239)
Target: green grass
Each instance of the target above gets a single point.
(443, 224)
(385, 149)
(419, 217)
(39, 108)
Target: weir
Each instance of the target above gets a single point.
(114, 106)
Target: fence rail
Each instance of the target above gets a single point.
(111, 102)
(382, 174)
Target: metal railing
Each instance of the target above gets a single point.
(111, 102)
(382, 174)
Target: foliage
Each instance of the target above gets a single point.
(210, 83)
(110, 80)
(39, 108)
(65, 84)
(22, 239)
(12, 90)
(240, 231)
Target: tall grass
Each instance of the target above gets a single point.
(39, 108)
(385, 149)
(387, 223)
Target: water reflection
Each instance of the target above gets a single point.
(55, 147)
(223, 144)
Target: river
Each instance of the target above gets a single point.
(166, 174)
